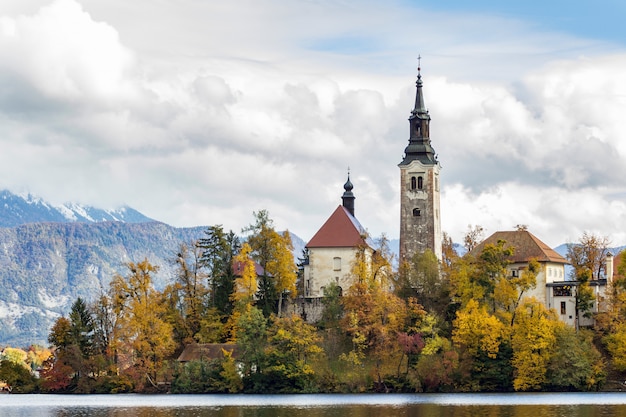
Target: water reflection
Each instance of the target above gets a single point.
(509, 405)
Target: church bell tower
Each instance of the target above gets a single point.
(420, 218)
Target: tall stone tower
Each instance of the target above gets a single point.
(420, 218)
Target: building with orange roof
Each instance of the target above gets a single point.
(331, 252)
(553, 287)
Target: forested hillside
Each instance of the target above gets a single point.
(44, 267)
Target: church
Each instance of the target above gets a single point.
(332, 250)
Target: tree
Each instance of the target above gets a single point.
(475, 330)
(218, 251)
(141, 327)
(448, 252)
(17, 377)
(282, 267)
(473, 236)
(509, 291)
(82, 328)
(333, 309)
(187, 295)
(576, 364)
(423, 280)
(292, 344)
(273, 251)
(534, 337)
(252, 339)
(588, 255)
(246, 283)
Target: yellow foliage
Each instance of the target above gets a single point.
(533, 341)
(477, 330)
(246, 284)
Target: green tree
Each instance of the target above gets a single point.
(292, 345)
(18, 378)
(82, 328)
(272, 251)
(576, 364)
(424, 281)
(218, 251)
(252, 340)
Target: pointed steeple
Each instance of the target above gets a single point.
(348, 197)
(419, 147)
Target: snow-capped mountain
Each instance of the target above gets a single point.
(17, 209)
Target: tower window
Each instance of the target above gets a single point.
(413, 183)
(337, 263)
(420, 183)
(416, 212)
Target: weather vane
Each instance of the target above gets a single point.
(419, 63)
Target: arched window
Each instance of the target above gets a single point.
(420, 183)
(413, 183)
(416, 212)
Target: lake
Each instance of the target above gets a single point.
(317, 405)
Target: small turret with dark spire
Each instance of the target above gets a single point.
(348, 197)
(419, 138)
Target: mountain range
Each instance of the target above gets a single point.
(52, 254)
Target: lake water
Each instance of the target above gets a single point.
(318, 405)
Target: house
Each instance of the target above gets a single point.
(553, 288)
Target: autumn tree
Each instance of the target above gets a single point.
(246, 283)
(421, 278)
(373, 314)
(588, 256)
(141, 328)
(73, 343)
(186, 296)
(473, 236)
(448, 253)
(272, 251)
(534, 337)
(292, 346)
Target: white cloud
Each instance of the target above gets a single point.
(202, 112)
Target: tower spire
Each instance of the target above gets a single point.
(348, 197)
(419, 147)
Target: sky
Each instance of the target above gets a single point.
(199, 113)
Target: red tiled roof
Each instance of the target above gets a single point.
(526, 247)
(341, 230)
(238, 269)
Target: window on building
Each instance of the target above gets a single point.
(413, 183)
(420, 183)
(337, 263)
(562, 291)
(563, 308)
(416, 212)
(514, 273)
